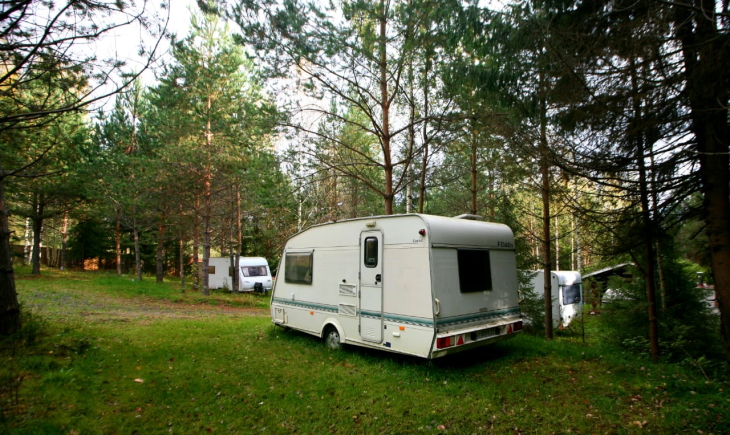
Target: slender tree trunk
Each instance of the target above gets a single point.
(557, 242)
(545, 173)
(137, 255)
(196, 246)
(160, 267)
(239, 241)
(648, 224)
(426, 139)
(706, 62)
(64, 235)
(28, 246)
(385, 107)
(473, 158)
(9, 307)
(181, 247)
(207, 204)
(37, 222)
(118, 239)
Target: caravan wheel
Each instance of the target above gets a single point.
(332, 338)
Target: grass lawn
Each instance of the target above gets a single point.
(107, 355)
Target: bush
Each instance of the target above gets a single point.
(688, 327)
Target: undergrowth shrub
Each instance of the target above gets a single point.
(688, 328)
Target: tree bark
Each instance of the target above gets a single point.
(706, 64)
(37, 222)
(64, 235)
(160, 269)
(545, 191)
(385, 107)
(9, 307)
(118, 239)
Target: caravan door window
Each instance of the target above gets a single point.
(371, 252)
(298, 269)
(475, 270)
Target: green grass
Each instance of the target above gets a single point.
(102, 355)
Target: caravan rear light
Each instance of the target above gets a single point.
(518, 326)
(422, 232)
(444, 342)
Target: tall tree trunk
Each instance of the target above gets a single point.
(706, 62)
(648, 224)
(196, 245)
(137, 255)
(64, 235)
(9, 307)
(118, 239)
(426, 139)
(545, 190)
(37, 222)
(473, 158)
(28, 242)
(160, 269)
(181, 246)
(239, 240)
(385, 107)
(207, 204)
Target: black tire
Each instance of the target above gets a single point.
(332, 338)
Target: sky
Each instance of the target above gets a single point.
(123, 43)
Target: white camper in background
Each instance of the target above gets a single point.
(253, 274)
(566, 291)
(414, 284)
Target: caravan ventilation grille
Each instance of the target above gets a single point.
(348, 310)
(348, 290)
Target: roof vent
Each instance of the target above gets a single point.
(471, 217)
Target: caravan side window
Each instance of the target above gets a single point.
(298, 269)
(475, 270)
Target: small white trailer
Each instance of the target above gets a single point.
(253, 274)
(413, 284)
(566, 292)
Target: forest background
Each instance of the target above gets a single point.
(598, 131)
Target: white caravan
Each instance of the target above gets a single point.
(414, 284)
(566, 291)
(253, 274)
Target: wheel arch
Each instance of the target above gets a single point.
(332, 322)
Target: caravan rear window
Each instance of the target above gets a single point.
(298, 269)
(571, 294)
(475, 270)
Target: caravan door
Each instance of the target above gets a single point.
(371, 286)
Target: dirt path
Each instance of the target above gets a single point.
(94, 307)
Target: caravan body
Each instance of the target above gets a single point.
(253, 274)
(414, 284)
(566, 291)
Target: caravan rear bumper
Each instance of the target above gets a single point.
(453, 340)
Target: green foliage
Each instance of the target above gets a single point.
(532, 305)
(688, 327)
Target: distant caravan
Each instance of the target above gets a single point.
(414, 284)
(253, 274)
(566, 292)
